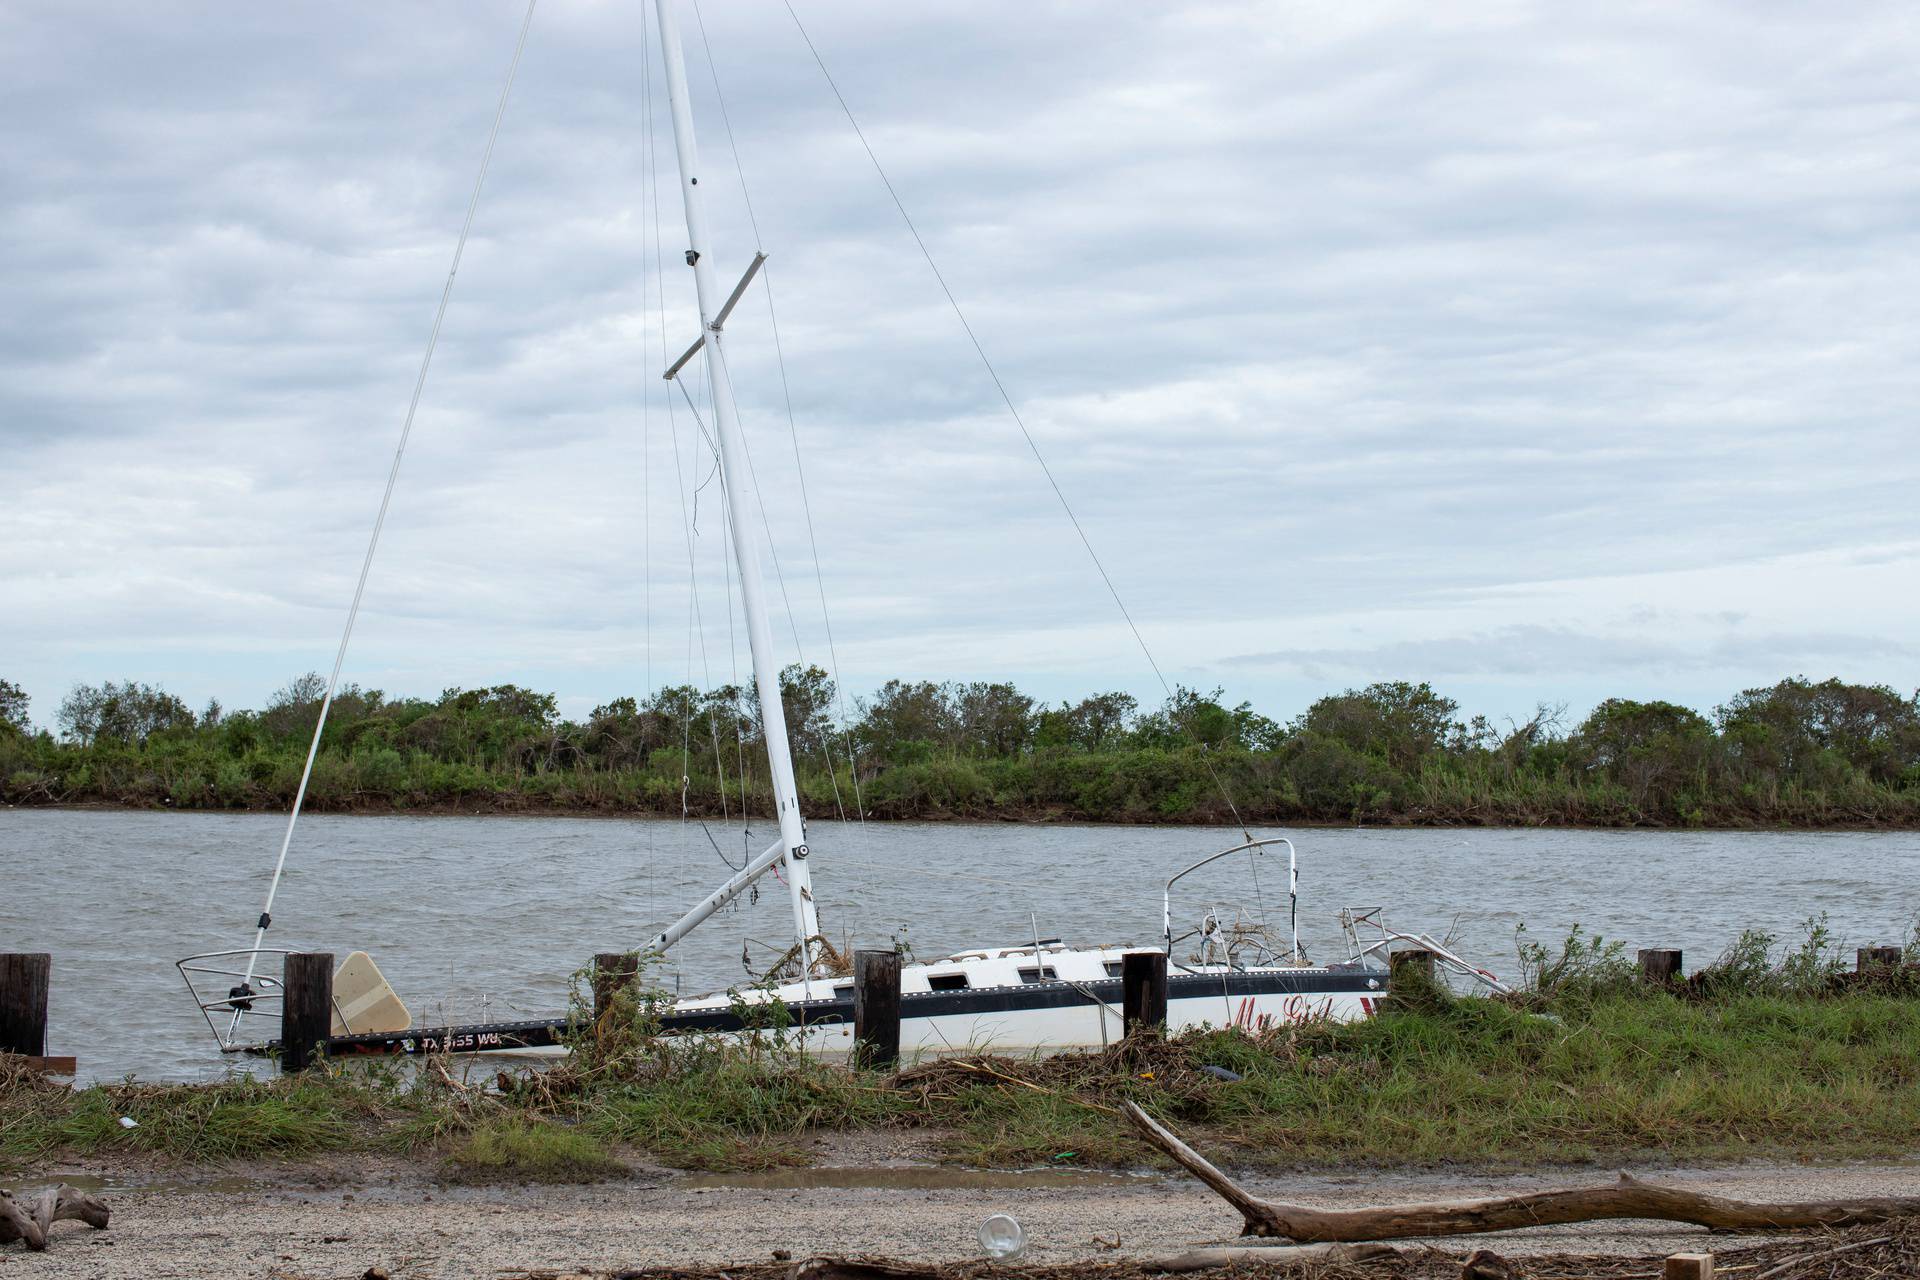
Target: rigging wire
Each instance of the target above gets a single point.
(690, 521)
(651, 191)
(649, 149)
(819, 578)
(779, 574)
(696, 625)
(733, 658)
(1013, 410)
(386, 499)
(793, 435)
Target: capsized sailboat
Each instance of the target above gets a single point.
(1228, 969)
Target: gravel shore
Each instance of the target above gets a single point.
(322, 1221)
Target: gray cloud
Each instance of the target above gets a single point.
(1408, 335)
(1541, 653)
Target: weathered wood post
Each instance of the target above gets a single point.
(1410, 966)
(306, 1008)
(613, 972)
(1143, 993)
(1659, 967)
(1868, 959)
(1689, 1266)
(23, 1002)
(876, 1009)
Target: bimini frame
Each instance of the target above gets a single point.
(1257, 848)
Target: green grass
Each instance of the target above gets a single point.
(234, 1119)
(1487, 1083)
(1584, 1075)
(720, 1110)
(1625, 1075)
(516, 1149)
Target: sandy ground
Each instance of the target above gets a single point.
(315, 1221)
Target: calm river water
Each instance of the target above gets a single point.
(467, 914)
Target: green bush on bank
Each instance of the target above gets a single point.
(1798, 753)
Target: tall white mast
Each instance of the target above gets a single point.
(735, 476)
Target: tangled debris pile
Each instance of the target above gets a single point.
(1168, 1068)
(1885, 1251)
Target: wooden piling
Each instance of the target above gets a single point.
(1689, 1266)
(1868, 959)
(306, 1008)
(1412, 965)
(876, 1009)
(613, 972)
(1143, 992)
(1659, 967)
(23, 1002)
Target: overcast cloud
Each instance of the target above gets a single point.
(1543, 351)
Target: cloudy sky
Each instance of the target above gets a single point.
(1542, 351)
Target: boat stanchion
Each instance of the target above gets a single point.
(1143, 993)
(876, 1009)
(613, 972)
(306, 1011)
(23, 1002)
(1659, 966)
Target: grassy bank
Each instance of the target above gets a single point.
(1797, 754)
(1759, 1056)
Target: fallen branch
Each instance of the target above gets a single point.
(33, 1220)
(1267, 1254)
(1629, 1198)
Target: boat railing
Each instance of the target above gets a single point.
(1371, 941)
(1253, 848)
(251, 999)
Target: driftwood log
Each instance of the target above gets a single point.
(32, 1220)
(1628, 1198)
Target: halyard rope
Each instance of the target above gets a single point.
(386, 499)
(1013, 411)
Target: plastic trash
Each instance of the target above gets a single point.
(128, 1122)
(1222, 1073)
(1002, 1237)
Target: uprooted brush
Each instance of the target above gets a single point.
(1100, 1080)
(1884, 1251)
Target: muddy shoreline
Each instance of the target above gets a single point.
(339, 1217)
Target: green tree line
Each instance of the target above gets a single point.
(1798, 753)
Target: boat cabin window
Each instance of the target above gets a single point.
(946, 982)
(842, 989)
(1040, 973)
(1113, 968)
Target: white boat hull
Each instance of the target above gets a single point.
(1070, 999)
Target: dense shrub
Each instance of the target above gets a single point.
(1798, 753)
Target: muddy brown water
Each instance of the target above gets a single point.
(489, 916)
